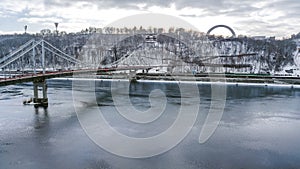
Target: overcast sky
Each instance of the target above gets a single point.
(279, 18)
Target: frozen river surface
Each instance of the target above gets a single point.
(259, 129)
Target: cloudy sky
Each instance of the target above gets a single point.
(279, 18)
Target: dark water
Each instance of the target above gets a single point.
(259, 129)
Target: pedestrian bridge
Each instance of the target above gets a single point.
(38, 60)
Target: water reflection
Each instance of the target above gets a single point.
(41, 121)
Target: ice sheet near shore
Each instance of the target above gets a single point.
(188, 82)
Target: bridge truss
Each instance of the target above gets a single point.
(164, 50)
(37, 56)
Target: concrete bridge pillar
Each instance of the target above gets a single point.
(43, 100)
(132, 76)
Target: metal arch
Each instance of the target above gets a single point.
(224, 26)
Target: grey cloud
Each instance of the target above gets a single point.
(241, 9)
(290, 8)
(258, 27)
(211, 7)
(207, 4)
(126, 4)
(192, 16)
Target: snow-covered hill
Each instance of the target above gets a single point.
(207, 54)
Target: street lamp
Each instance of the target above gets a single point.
(25, 27)
(56, 25)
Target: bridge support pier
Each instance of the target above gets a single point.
(40, 101)
(132, 76)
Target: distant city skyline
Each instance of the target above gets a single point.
(278, 18)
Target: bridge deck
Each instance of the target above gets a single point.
(23, 78)
(48, 75)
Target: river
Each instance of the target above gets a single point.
(259, 129)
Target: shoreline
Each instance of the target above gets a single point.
(206, 80)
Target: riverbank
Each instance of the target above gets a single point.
(229, 78)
